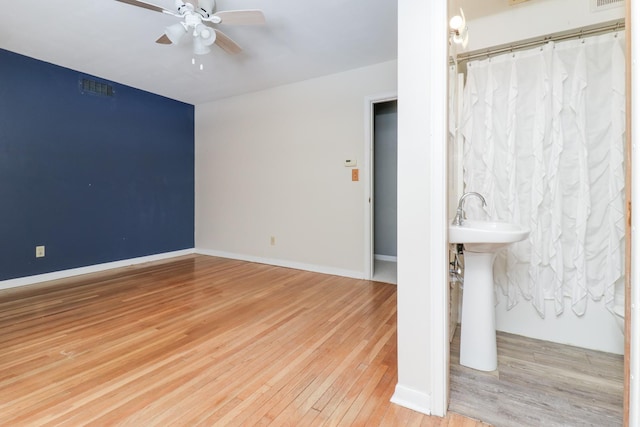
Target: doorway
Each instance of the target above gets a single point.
(385, 191)
(382, 148)
(628, 336)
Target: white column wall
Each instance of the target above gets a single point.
(422, 291)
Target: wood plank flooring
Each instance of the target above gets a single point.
(539, 383)
(202, 341)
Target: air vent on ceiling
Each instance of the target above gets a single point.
(96, 88)
(597, 5)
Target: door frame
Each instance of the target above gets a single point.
(368, 169)
(632, 288)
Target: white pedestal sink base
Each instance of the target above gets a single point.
(478, 348)
(481, 240)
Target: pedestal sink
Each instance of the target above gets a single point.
(481, 242)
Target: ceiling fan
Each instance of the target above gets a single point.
(198, 21)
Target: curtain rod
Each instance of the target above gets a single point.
(567, 35)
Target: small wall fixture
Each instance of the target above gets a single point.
(459, 30)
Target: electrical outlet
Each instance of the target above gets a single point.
(273, 240)
(355, 176)
(39, 251)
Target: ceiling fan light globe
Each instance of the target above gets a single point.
(199, 47)
(206, 35)
(175, 32)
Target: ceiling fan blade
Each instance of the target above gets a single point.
(206, 6)
(145, 5)
(226, 44)
(163, 39)
(241, 17)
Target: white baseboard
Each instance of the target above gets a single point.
(284, 263)
(412, 399)
(385, 258)
(30, 280)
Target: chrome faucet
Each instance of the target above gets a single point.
(460, 214)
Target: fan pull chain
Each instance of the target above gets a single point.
(193, 62)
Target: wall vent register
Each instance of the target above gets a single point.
(597, 5)
(96, 88)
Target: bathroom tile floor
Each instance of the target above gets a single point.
(539, 383)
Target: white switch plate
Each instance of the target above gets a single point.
(351, 163)
(39, 251)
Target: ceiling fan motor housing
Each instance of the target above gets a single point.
(192, 20)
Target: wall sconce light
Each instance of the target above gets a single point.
(459, 30)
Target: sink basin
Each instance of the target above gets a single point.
(486, 236)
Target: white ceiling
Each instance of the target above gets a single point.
(116, 41)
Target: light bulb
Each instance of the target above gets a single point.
(456, 23)
(459, 30)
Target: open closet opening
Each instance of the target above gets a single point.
(383, 179)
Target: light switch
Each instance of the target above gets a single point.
(351, 163)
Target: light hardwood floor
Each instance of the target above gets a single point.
(539, 383)
(202, 341)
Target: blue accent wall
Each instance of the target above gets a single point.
(93, 178)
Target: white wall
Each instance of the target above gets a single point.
(271, 163)
(597, 329)
(533, 19)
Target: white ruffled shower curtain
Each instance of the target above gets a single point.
(544, 139)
